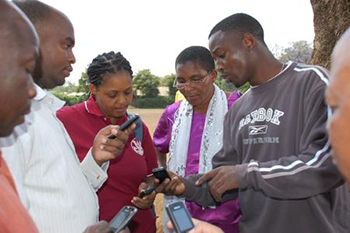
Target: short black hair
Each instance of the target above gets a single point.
(198, 54)
(242, 23)
(35, 10)
(107, 63)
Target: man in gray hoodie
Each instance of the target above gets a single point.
(276, 152)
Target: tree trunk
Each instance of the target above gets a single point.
(331, 19)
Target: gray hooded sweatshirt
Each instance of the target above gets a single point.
(276, 136)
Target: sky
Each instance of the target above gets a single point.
(150, 34)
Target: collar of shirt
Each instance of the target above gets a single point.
(47, 98)
(92, 108)
(52, 101)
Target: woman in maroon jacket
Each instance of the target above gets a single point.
(110, 78)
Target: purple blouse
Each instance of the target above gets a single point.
(227, 215)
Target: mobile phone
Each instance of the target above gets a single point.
(146, 192)
(161, 174)
(179, 217)
(126, 125)
(122, 218)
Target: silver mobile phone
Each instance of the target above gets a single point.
(179, 217)
(122, 218)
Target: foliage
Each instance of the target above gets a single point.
(223, 84)
(69, 99)
(299, 51)
(155, 102)
(83, 83)
(244, 88)
(68, 87)
(169, 81)
(147, 83)
(163, 82)
(229, 87)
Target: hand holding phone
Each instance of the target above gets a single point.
(122, 218)
(126, 125)
(161, 174)
(179, 217)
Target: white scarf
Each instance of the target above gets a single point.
(212, 136)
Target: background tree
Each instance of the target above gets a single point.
(147, 83)
(229, 87)
(67, 88)
(299, 51)
(168, 81)
(331, 19)
(83, 83)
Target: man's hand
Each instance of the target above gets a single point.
(200, 227)
(105, 149)
(223, 178)
(175, 186)
(146, 201)
(100, 227)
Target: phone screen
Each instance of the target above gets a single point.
(119, 221)
(182, 219)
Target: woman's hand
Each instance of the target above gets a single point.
(146, 201)
(105, 149)
(175, 186)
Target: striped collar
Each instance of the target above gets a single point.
(91, 106)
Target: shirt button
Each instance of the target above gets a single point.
(98, 177)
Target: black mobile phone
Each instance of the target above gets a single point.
(126, 125)
(161, 174)
(122, 218)
(179, 217)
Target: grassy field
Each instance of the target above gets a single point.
(151, 117)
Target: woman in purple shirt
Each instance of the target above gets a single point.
(191, 131)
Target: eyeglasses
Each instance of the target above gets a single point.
(195, 81)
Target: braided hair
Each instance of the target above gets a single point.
(107, 63)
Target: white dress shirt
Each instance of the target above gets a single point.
(57, 190)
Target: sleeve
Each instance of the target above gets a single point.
(201, 195)
(149, 150)
(303, 175)
(162, 133)
(95, 174)
(226, 156)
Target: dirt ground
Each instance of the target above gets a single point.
(151, 117)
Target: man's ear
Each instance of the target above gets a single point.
(92, 89)
(214, 75)
(248, 41)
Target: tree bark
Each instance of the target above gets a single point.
(331, 19)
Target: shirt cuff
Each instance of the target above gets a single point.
(95, 174)
(242, 175)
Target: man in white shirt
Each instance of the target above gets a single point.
(57, 190)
